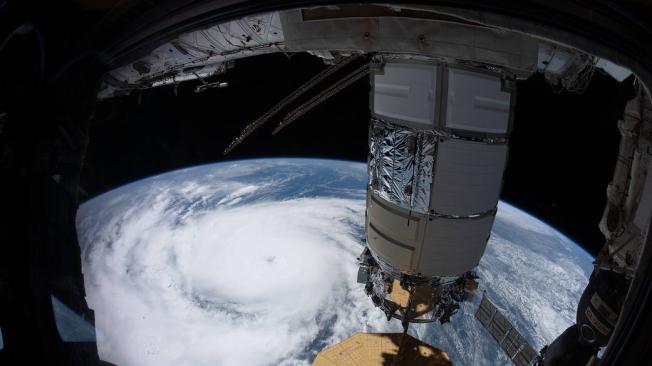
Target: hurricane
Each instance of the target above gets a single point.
(254, 263)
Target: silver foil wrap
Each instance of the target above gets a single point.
(400, 164)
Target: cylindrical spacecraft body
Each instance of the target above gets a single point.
(438, 146)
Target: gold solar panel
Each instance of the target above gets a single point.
(380, 349)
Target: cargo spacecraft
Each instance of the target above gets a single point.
(442, 92)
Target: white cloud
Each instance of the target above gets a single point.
(215, 266)
(236, 196)
(247, 285)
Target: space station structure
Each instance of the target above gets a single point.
(438, 147)
(442, 92)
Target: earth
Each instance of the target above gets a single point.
(253, 262)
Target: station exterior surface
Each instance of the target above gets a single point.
(381, 349)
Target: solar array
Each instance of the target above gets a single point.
(508, 338)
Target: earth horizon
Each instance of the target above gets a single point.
(253, 262)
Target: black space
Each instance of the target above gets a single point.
(563, 146)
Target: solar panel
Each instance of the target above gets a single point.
(508, 338)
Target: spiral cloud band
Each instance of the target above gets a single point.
(188, 275)
(254, 263)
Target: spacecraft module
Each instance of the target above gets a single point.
(438, 146)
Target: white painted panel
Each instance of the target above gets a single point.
(398, 255)
(616, 71)
(406, 92)
(468, 177)
(452, 247)
(392, 224)
(475, 102)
